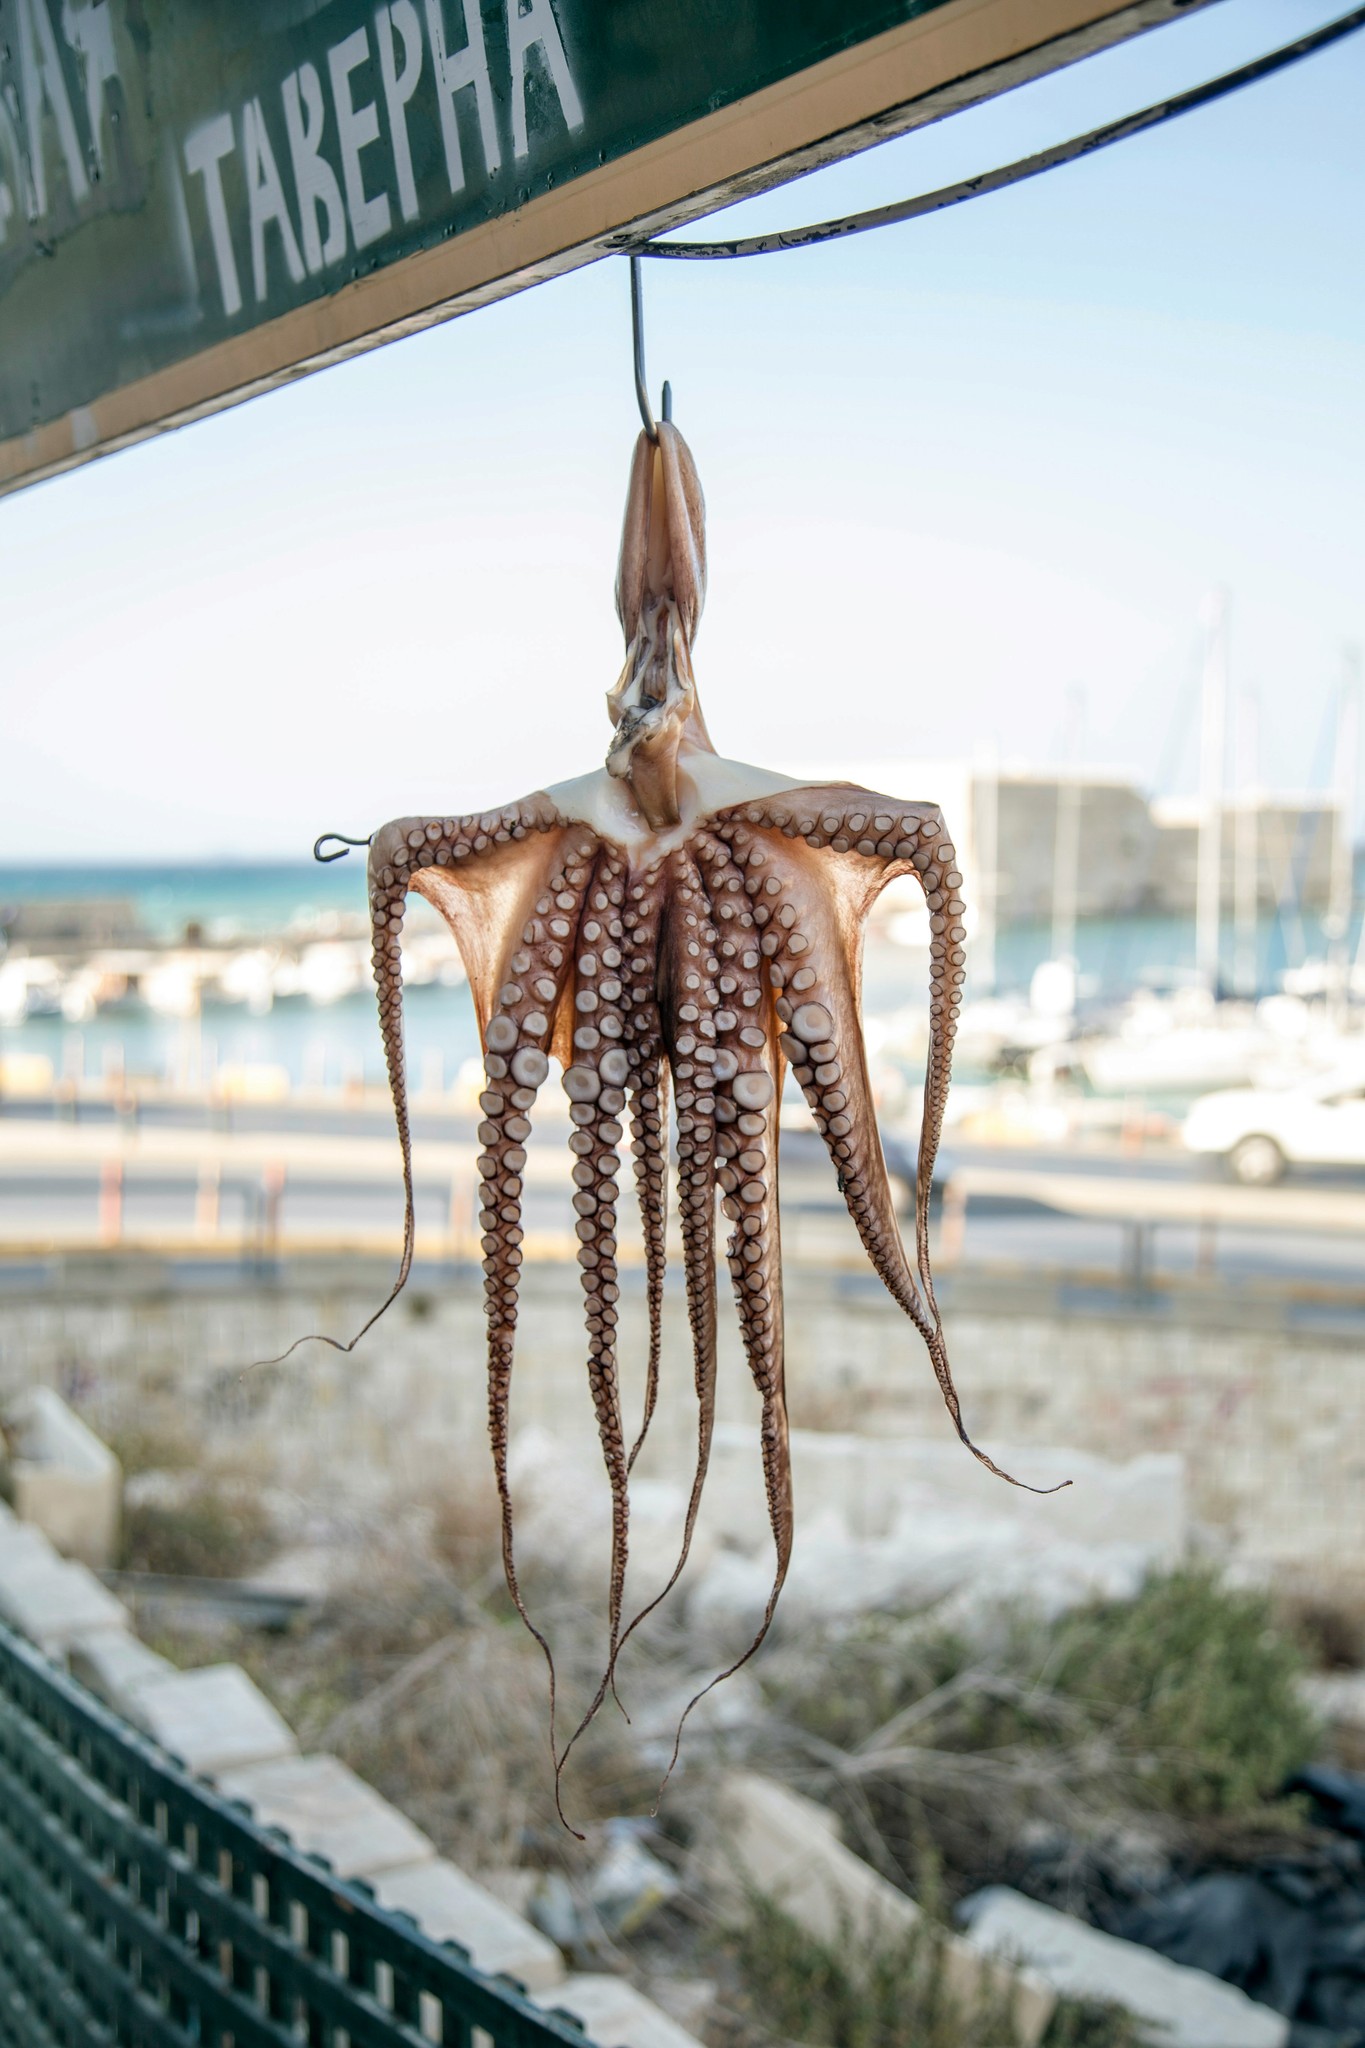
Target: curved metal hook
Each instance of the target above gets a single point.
(343, 846)
(637, 333)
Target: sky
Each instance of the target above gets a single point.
(968, 482)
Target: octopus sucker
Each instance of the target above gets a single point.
(674, 922)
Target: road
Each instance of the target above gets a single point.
(320, 1170)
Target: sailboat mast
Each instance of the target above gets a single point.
(1341, 894)
(1209, 880)
(1246, 846)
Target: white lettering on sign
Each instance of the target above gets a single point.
(88, 27)
(394, 26)
(316, 225)
(529, 28)
(314, 178)
(468, 66)
(205, 148)
(10, 149)
(47, 81)
(357, 127)
(265, 199)
(42, 84)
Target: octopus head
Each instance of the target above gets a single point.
(660, 589)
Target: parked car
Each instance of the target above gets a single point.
(1259, 1133)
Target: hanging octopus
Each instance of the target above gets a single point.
(674, 920)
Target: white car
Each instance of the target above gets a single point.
(1260, 1132)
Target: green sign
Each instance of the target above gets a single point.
(200, 199)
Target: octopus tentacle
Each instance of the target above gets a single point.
(816, 983)
(401, 852)
(526, 994)
(388, 894)
(748, 1105)
(595, 1085)
(648, 1124)
(516, 1063)
(818, 990)
(935, 862)
(691, 998)
(690, 1024)
(648, 1090)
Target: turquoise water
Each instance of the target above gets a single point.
(249, 898)
(328, 1045)
(1114, 955)
(318, 1046)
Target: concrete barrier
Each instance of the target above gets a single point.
(616, 2015)
(326, 1809)
(215, 1719)
(66, 1482)
(20, 1545)
(1180, 2008)
(113, 1663)
(448, 1906)
(53, 1603)
(787, 1849)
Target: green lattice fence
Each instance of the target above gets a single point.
(138, 1909)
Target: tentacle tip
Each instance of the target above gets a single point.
(999, 1472)
(664, 1783)
(563, 1817)
(1041, 1491)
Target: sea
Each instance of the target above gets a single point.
(337, 1043)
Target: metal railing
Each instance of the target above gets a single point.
(139, 1910)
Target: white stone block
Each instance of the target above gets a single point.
(1339, 1696)
(875, 1483)
(449, 1906)
(1184, 2008)
(214, 1719)
(66, 1481)
(327, 1811)
(901, 1524)
(21, 1546)
(787, 1849)
(54, 1603)
(114, 1664)
(615, 2015)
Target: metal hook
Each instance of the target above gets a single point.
(343, 846)
(637, 331)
